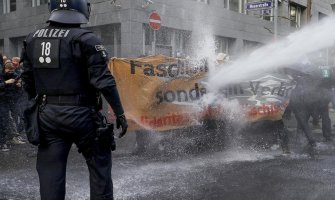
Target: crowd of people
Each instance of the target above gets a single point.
(12, 100)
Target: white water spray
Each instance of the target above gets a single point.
(276, 55)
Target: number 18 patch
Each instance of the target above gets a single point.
(46, 53)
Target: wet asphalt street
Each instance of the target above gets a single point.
(235, 173)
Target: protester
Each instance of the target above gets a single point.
(13, 95)
(19, 101)
(7, 85)
(4, 59)
(222, 58)
(16, 62)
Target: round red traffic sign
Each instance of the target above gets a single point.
(155, 21)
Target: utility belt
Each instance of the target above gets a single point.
(67, 100)
(104, 132)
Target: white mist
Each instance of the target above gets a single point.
(289, 50)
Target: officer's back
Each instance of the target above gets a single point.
(66, 66)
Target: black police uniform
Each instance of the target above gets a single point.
(67, 65)
(309, 95)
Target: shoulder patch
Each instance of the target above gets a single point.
(100, 48)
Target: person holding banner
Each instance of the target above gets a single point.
(66, 66)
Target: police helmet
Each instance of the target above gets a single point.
(69, 11)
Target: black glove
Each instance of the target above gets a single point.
(121, 121)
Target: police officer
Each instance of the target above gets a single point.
(66, 66)
(311, 92)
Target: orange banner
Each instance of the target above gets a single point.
(163, 93)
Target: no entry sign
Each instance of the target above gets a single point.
(155, 21)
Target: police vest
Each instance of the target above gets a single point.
(57, 65)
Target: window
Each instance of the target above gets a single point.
(181, 42)
(163, 43)
(203, 1)
(8, 6)
(295, 15)
(12, 5)
(163, 36)
(251, 45)
(169, 42)
(266, 14)
(224, 45)
(226, 4)
(2, 7)
(235, 5)
(35, 3)
(321, 16)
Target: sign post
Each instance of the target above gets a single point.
(275, 19)
(266, 5)
(259, 5)
(155, 24)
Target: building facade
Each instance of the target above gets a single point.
(123, 24)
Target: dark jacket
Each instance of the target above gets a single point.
(88, 50)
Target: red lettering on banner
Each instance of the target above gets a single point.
(171, 119)
(264, 109)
